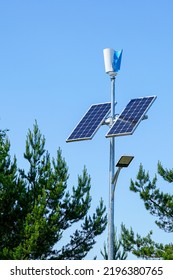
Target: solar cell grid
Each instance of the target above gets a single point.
(90, 123)
(131, 116)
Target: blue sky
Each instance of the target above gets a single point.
(52, 70)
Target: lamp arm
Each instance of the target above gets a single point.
(115, 178)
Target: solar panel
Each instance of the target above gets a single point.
(90, 123)
(131, 116)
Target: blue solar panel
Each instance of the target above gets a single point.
(131, 116)
(90, 123)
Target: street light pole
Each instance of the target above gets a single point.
(112, 61)
(111, 175)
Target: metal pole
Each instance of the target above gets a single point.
(111, 176)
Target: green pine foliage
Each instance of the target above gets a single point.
(160, 205)
(119, 251)
(36, 206)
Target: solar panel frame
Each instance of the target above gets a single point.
(131, 116)
(90, 122)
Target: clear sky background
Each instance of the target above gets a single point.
(52, 70)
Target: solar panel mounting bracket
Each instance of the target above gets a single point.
(145, 118)
(107, 121)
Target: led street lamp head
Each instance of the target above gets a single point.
(124, 161)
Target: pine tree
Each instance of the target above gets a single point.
(119, 252)
(36, 206)
(160, 205)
